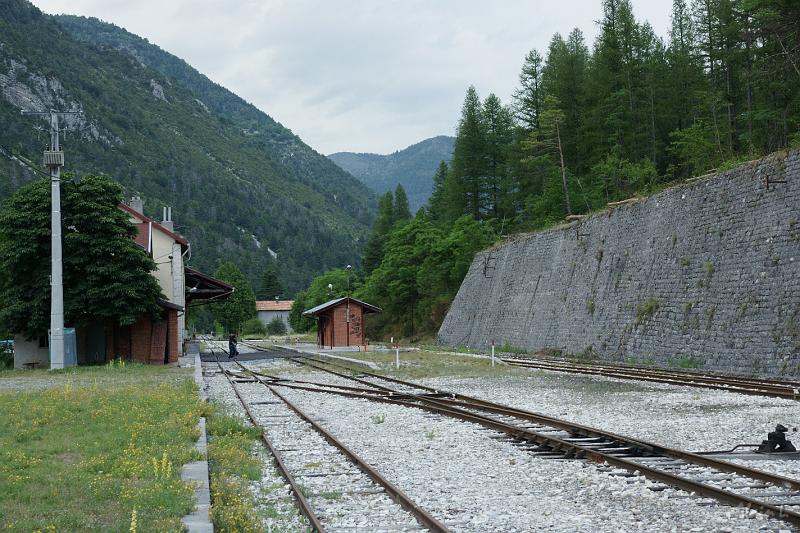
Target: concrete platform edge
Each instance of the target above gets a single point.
(197, 472)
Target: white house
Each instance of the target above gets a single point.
(269, 309)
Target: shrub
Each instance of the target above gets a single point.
(276, 326)
(253, 327)
(646, 309)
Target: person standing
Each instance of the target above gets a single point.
(232, 349)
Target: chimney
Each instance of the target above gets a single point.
(167, 216)
(137, 204)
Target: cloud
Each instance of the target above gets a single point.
(356, 75)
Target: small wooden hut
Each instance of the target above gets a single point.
(340, 322)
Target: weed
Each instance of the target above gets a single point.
(688, 361)
(590, 305)
(684, 261)
(430, 434)
(708, 268)
(508, 348)
(378, 419)
(712, 310)
(646, 309)
(330, 495)
(741, 311)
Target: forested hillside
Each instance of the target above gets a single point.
(240, 184)
(413, 168)
(588, 125)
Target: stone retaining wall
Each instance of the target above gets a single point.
(706, 274)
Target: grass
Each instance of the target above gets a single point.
(95, 444)
(417, 364)
(234, 464)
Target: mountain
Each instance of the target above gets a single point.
(413, 168)
(242, 186)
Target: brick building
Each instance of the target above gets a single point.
(340, 322)
(146, 341)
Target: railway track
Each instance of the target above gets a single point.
(760, 387)
(725, 482)
(320, 469)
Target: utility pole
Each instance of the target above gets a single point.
(54, 161)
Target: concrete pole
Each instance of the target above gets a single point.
(56, 279)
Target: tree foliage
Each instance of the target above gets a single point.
(328, 286)
(239, 306)
(106, 274)
(270, 287)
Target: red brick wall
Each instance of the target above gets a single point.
(141, 333)
(173, 350)
(335, 329)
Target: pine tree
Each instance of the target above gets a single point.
(529, 96)
(469, 162)
(271, 286)
(498, 135)
(401, 210)
(436, 202)
(374, 250)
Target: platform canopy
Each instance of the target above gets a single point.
(203, 289)
(321, 308)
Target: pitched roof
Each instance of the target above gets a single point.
(314, 311)
(144, 218)
(202, 288)
(272, 305)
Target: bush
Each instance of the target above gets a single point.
(276, 326)
(253, 327)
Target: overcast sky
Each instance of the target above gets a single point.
(357, 75)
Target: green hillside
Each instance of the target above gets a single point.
(412, 167)
(239, 182)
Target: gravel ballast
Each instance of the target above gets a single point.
(474, 482)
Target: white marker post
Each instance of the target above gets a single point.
(492, 353)
(397, 356)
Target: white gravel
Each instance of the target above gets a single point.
(476, 483)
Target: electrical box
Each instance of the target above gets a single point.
(70, 347)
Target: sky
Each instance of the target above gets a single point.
(357, 75)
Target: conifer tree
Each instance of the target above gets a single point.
(469, 162)
(374, 250)
(270, 286)
(401, 210)
(529, 96)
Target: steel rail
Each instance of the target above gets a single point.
(422, 516)
(570, 448)
(302, 503)
(687, 379)
(460, 402)
(463, 400)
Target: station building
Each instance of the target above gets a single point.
(145, 341)
(341, 322)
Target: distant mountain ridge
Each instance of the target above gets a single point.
(412, 167)
(240, 184)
